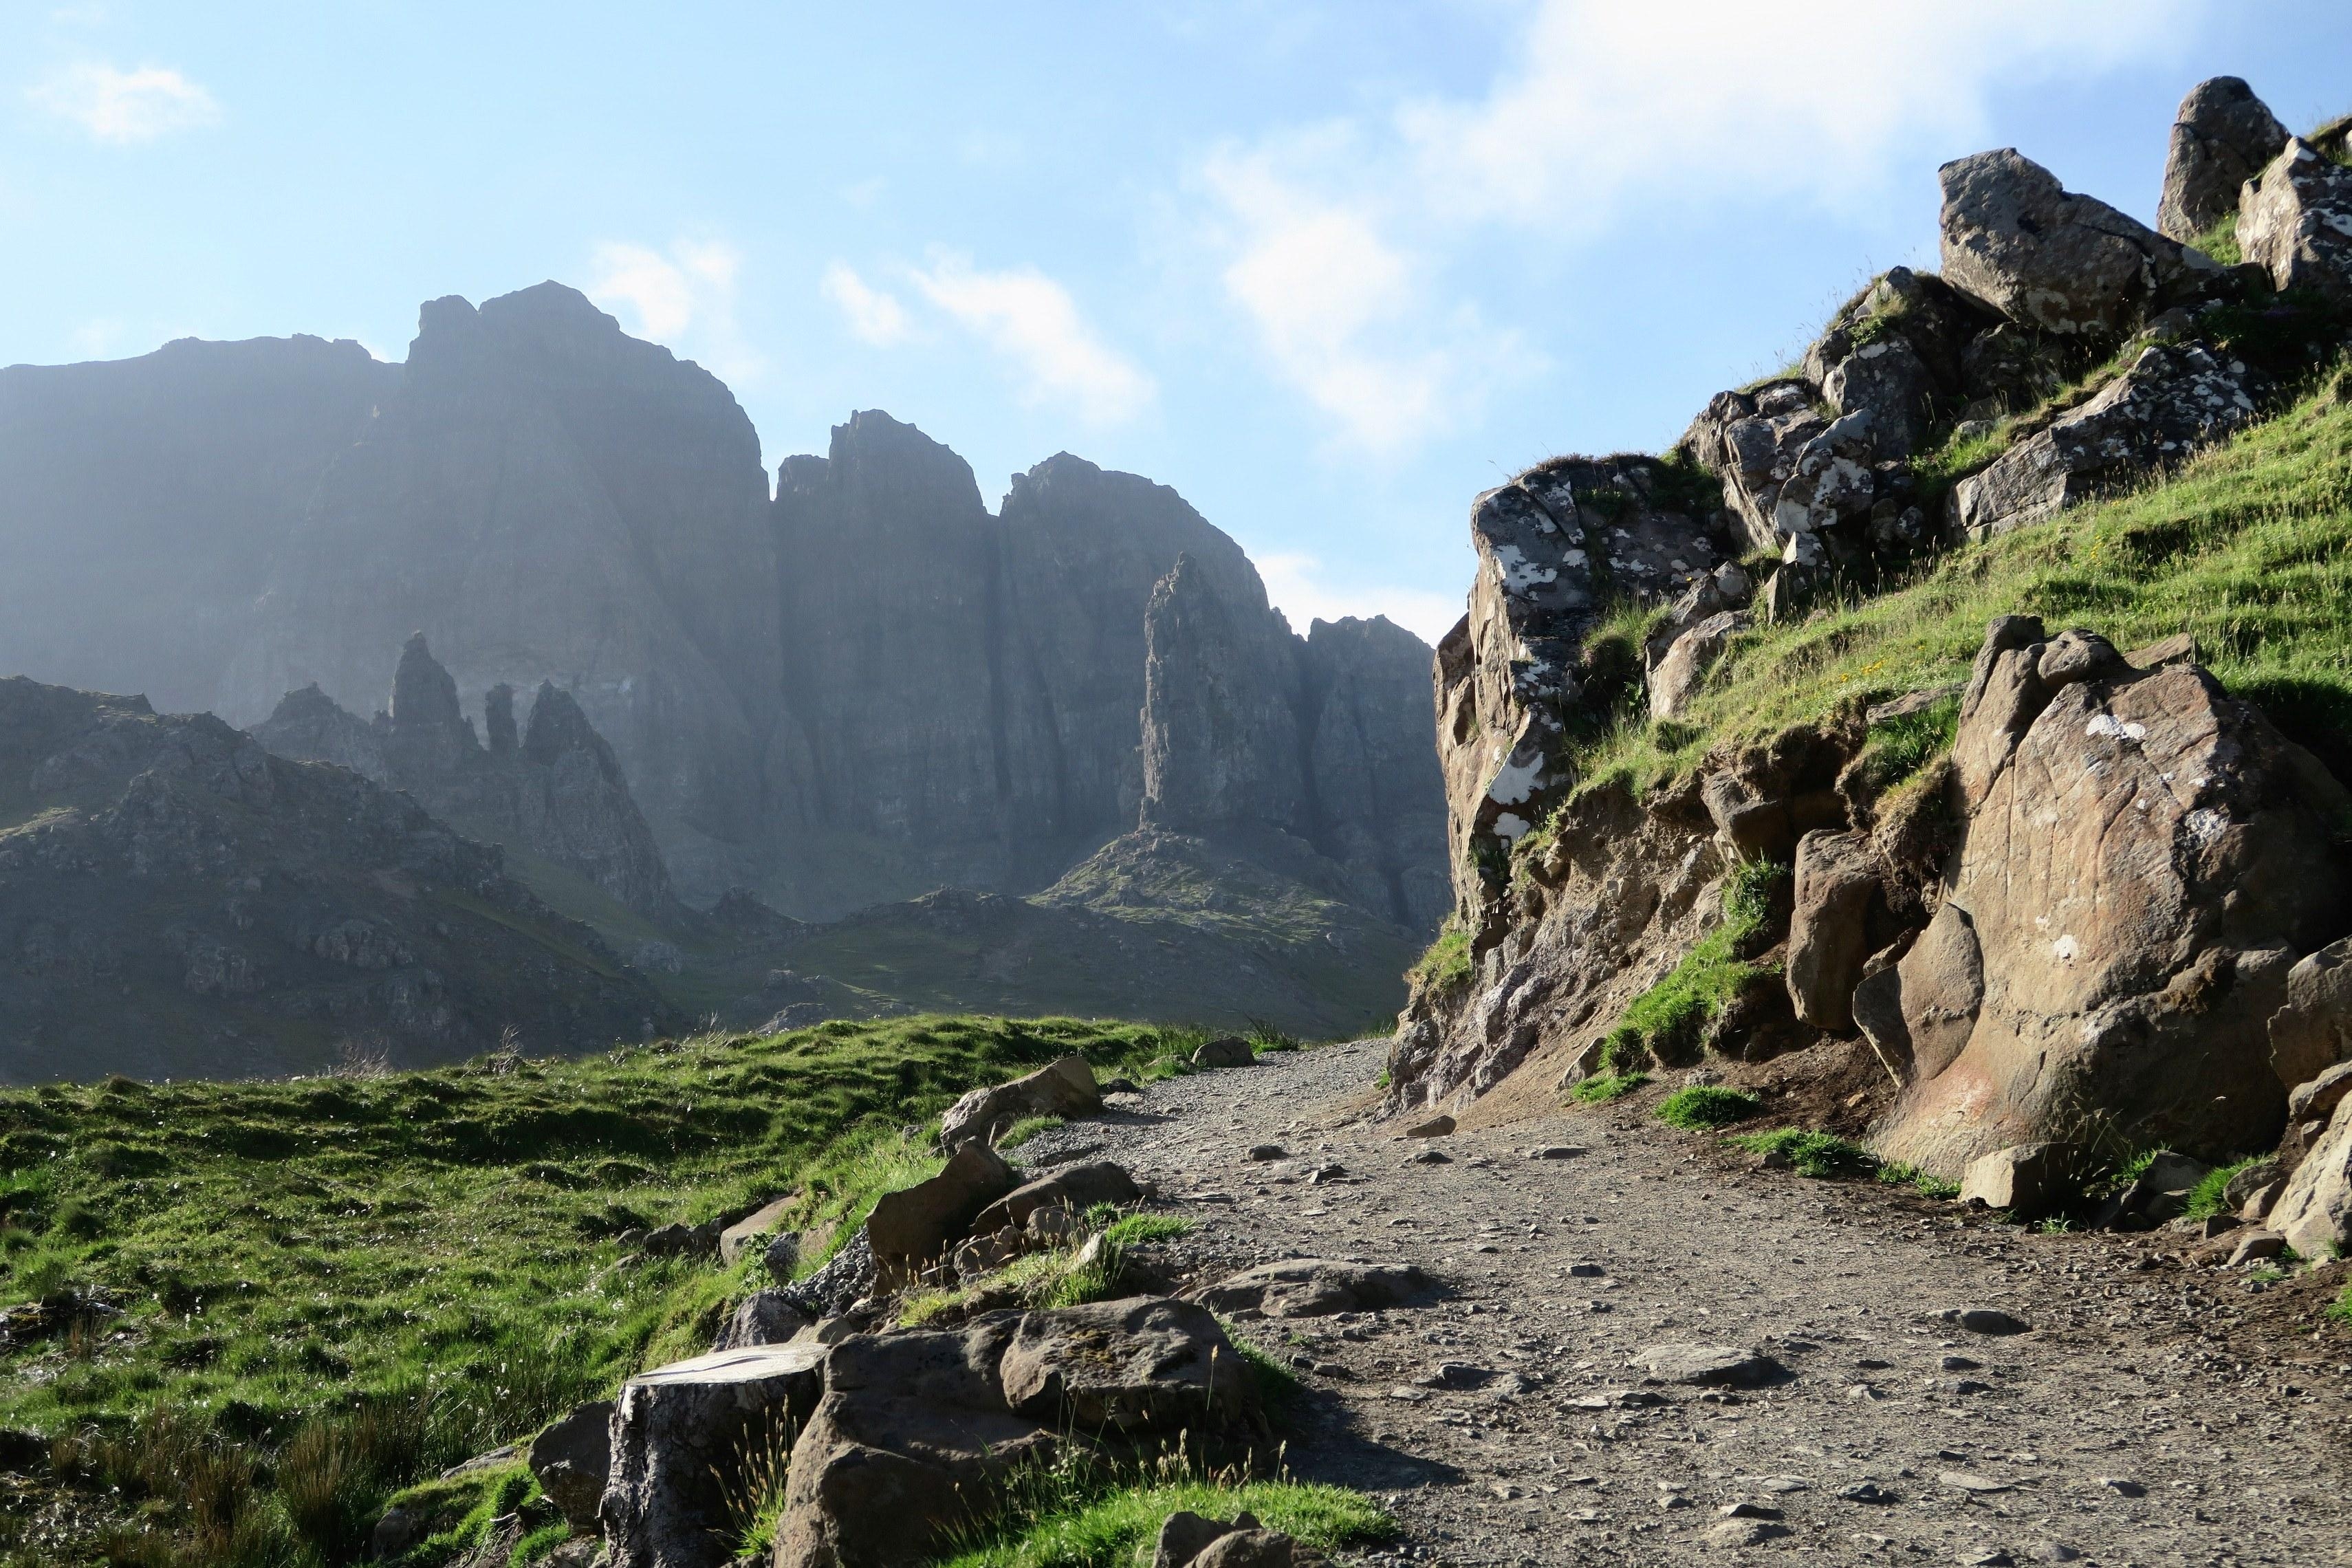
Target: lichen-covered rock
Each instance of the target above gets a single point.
(1062, 1087)
(679, 1435)
(1751, 441)
(2222, 136)
(2171, 402)
(2070, 265)
(2142, 861)
(2295, 221)
(1895, 352)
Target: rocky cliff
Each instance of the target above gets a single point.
(2052, 896)
(175, 901)
(550, 789)
(856, 691)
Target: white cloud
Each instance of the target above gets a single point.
(683, 298)
(1337, 241)
(1031, 321)
(123, 107)
(874, 315)
(1295, 581)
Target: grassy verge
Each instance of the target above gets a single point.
(1821, 1155)
(2247, 546)
(1668, 1020)
(1607, 1087)
(336, 1287)
(1706, 1105)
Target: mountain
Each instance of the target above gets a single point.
(850, 692)
(174, 900)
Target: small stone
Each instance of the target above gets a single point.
(1231, 1051)
(1960, 1364)
(2257, 1245)
(1486, 1247)
(1969, 1482)
(1263, 1152)
(2123, 1487)
(1435, 1127)
(1408, 1394)
(1987, 1557)
(1705, 1364)
(1585, 1270)
(1863, 1394)
(1326, 1172)
(1734, 1534)
(1987, 1320)
(1554, 1152)
(1505, 1490)
(1747, 1510)
(1866, 1491)
(2052, 1551)
(1430, 1157)
(1783, 1485)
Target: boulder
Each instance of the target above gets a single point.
(2222, 136)
(1750, 441)
(2313, 1032)
(1310, 1287)
(1230, 1051)
(751, 1233)
(573, 1460)
(2142, 855)
(1076, 1188)
(2314, 1209)
(2173, 400)
(910, 1228)
(1438, 1126)
(680, 1436)
(2317, 1098)
(2296, 222)
(762, 1317)
(2027, 1179)
(2070, 264)
(1064, 1088)
(1680, 674)
(1836, 877)
(1149, 1365)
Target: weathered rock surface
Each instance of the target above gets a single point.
(2314, 1210)
(762, 1317)
(2296, 222)
(571, 1460)
(1312, 1288)
(2312, 1032)
(1678, 676)
(1077, 1188)
(1061, 1088)
(2173, 401)
(2222, 136)
(554, 789)
(173, 899)
(1828, 932)
(910, 1228)
(2025, 1179)
(2136, 876)
(2016, 240)
(1124, 1368)
(680, 1430)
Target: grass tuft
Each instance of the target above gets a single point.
(2207, 1197)
(1445, 966)
(1028, 1126)
(1821, 1155)
(1705, 1105)
(1608, 1086)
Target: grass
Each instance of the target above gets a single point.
(2247, 546)
(1899, 1174)
(1028, 1126)
(1138, 1228)
(1607, 1087)
(1445, 966)
(1084, 1510)
(1666, 1021)
(1705, 1105)
(322, 1289)
(2209, 1196)
(1821, 1155)
(2340, 1311)
(2219, 239)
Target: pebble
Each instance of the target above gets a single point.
(2053, 1552)
(1554, 1152)
(1969, 1482)
(1866, 1491)
(1987, 1320)
(1266, 1151)
(2122, 1487)
(1408, 1394)
(1585, 1270)
(1952, 1364)
(1430, 1157)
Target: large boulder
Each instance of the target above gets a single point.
(1188, 1540)
(2019, 242)
(572, 1459)
(2314, 1211)
(2172, 401)
(1828, 928)
(2143, 859)
(2222, 136)
(1077, 1188)
(2296, 222)
(910, 1228)
(1062, 1087)
(680, 1432)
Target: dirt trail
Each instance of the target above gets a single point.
(2151, 1414)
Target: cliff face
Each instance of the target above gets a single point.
(174, 900)
(552, 789)
(862, 689)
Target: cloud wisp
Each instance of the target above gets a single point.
(873, 316)
(683, 298)
(123, 108)
(1033, 322)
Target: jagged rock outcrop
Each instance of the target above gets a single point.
(554, 789)
(2222, 136)
(2295, 223)
(175, 901)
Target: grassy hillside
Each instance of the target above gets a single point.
(248, 1311)
(2248, 547)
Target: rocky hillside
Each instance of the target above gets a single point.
(856, 691)
(1960, 715)
(175, 901)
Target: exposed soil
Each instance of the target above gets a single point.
(2152, 1412)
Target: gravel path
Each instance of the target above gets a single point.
(2151, 1414)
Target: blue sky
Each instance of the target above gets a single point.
(1327, 268)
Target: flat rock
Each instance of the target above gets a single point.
(1305, 1288)
(1712, 1365)
(1437, 1126)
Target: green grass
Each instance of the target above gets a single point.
(1138, 1228)
(2219, 239)
(2207, 1198)
(370, 1280)
(1821, 1155)
(2248, 547)
(1606, 1086)
(1899, 1174)
(1445, 966)
(2340, 1311)
(1028, 1126)
(1705, 1105)
(1667, 1021)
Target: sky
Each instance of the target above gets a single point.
(1329, 269)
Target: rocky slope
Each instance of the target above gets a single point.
(174, 900)
(858, 690)
(2069, 902)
